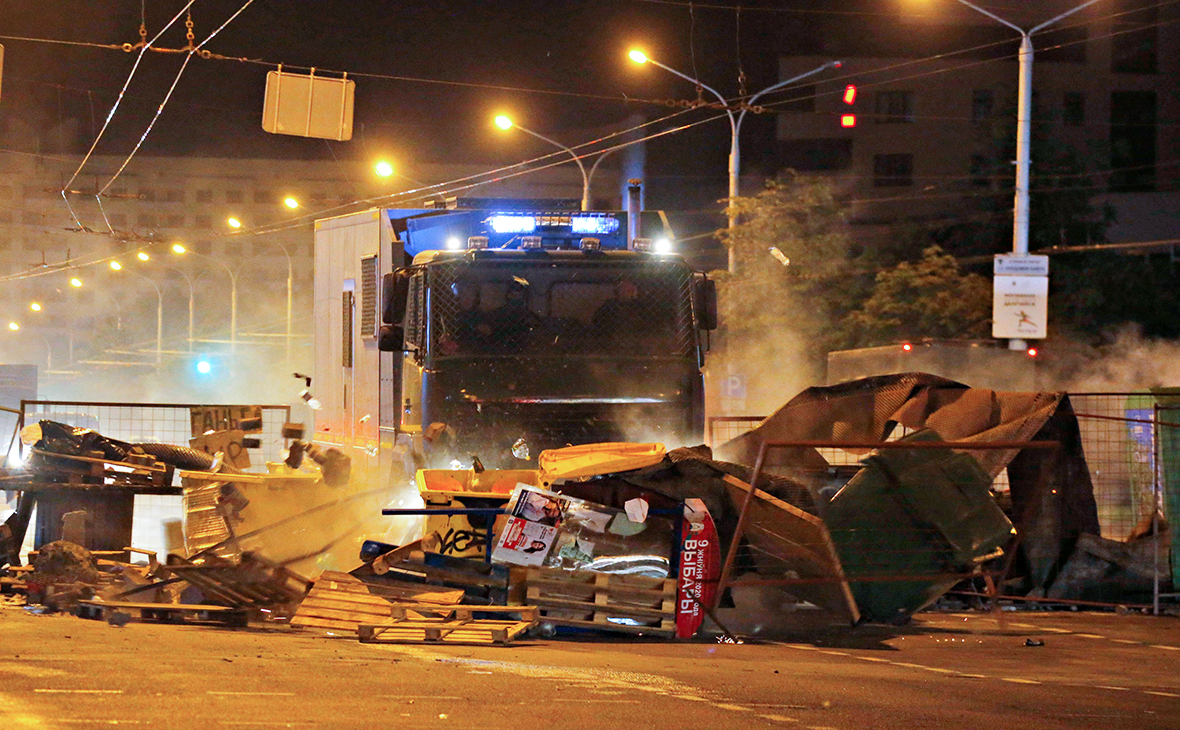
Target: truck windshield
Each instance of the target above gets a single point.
(527, 309)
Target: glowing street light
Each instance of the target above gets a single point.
(35, 306)
(179, 249)
(291, 203)
(13, 326)
(75, 282)
(735, 123)
(142, 256)
(116, 266)
(383, 169)
(505, 123)
(233, 222)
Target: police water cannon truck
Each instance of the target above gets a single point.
(489, 330)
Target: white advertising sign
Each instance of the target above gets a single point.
(1020, 265)
(1020, 307)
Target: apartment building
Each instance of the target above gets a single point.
(935, 105)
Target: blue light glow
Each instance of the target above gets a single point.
(513, 223)
(594, 224)
(203, 367)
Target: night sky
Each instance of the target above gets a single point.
(577, 48)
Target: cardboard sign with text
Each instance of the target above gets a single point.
(229, 443)
(247, 419)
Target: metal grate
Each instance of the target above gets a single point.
(346, 301)
(155, 423)
(551, 311)
(369, 297)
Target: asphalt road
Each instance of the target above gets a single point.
(942, 671)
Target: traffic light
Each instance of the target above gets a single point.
(848, 120)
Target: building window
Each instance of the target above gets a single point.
(816, 155)
(233, 196)
(799, 100)
(1073, 109)
(1132, 141)
(203, 221)
(145, 220)
(173, 196)
(1134, 42)
(983, 103)
(980, 172)
(890, 171)
(894, 106)
(204, 196)
(175, 221)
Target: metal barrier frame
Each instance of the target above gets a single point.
(726, 580)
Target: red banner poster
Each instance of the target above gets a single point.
(699, 569)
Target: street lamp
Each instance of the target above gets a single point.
(180, 250)
(159, 308)
(15, 327)
(735, 123)
(77, 284)
(505, 123)
(1023, 127)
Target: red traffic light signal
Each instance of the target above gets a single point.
(849, 120)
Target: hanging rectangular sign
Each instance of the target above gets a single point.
(306, 105)
(1020, 307)
(1020, 265)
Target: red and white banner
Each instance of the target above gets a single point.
(699, 569)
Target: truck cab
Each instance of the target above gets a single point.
(505, 330)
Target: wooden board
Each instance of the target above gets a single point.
(591, 600)
(449, 625)
(164, 612)
(796, 545)
(341, 602)
(251, 583)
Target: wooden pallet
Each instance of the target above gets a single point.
(89, 471)
(253, 582)
(588, 600)
(164, 612)
(418, 624)
(481, 582)
(341, 602)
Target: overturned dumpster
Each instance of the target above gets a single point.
(1048, 495)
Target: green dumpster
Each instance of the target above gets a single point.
(908, 521)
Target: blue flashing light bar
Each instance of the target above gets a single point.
(503, 223)
(600, 224)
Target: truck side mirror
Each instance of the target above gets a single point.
(704, 301)
(391, 338)
(395, 288)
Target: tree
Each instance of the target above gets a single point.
(795, 278)
(791, 253)
(929, 298)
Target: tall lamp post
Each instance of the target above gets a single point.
(233, 292)
(14, 327)
(505, 123)
(116, 266)
(1023, 128)
(188, 280)
(735, 123)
